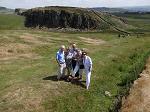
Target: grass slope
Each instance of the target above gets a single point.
(28, 70)
(141, 21)
(11, 21)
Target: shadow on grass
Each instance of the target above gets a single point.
(75, 82)
(52, 78)
(79, 83)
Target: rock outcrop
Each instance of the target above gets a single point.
(20, 11)
(65, 17)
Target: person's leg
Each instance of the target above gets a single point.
(77, 73)
(88, 77)
(70, 67)
(75, 70)
(68, 70)
(73, 66)
(60, 72)
(64, 70)
(80, 73)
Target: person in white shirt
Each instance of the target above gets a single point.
(60, 58)
(87, 62)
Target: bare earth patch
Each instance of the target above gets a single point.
(15, 51)
(139, 95)
(93, 41)
(27, 96)
(27, 37)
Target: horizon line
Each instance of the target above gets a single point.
(79, 6)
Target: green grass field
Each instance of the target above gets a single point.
(11, 21)
(141, 21)
(28, 69)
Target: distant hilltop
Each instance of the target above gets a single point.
(138, 9)
(122, 9)
(109, 10)
(5, 10)
(72, 17)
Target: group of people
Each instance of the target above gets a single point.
(75, 61)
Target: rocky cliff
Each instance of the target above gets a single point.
(68, 17)
(20, 11)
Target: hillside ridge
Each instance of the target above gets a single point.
(71, 17)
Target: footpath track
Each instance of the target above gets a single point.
(139, 95)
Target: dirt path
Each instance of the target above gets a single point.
(139, 96)
(93, 41)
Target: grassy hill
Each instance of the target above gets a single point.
(138, 8)
(72, 17)
(122, 9)
(140, 21)
(28, 68)
(109, 10)
(11, 21)
(4, 10)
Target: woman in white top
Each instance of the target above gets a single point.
(87, 62)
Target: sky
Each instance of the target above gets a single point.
(75, 3)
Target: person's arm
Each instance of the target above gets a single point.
(69, 56)
(57, 59)
(74, 57)
(90, 64)
(58, 62)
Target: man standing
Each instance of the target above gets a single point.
(88, 68)
(79, 62)
(60, 58)
(68, 58)
(74, 61)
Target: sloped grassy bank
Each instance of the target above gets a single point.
(137, 61)
(116, 65)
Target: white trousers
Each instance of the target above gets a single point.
(77, 67)
(61, 71)
(88, 78)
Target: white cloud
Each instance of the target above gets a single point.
(77, 3)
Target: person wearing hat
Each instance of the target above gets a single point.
(87, 62)
(60, 58)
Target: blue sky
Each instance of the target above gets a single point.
(76, 3)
